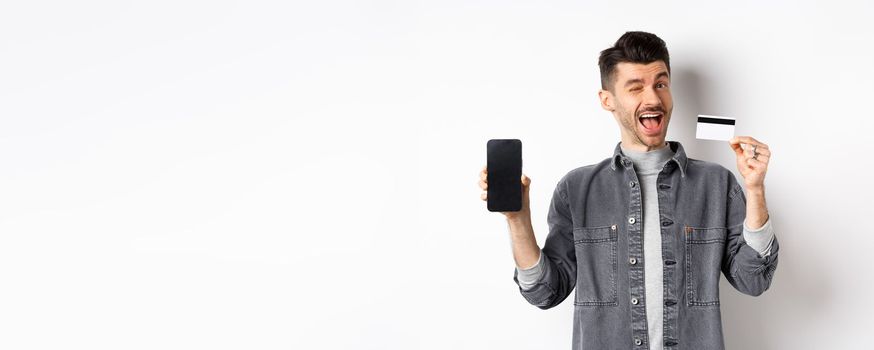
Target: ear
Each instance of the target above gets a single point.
(606, 98)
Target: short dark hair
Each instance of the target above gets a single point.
(633, 47)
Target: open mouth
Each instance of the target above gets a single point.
(651, 122)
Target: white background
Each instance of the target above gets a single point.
(302, 175)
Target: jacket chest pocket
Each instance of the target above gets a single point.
(704, 249)
(595, 249)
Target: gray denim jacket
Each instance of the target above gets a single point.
(595, 243)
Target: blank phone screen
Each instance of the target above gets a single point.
(504, 167)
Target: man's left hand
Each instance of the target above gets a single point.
(752, 166)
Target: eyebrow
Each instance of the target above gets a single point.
(636, 81)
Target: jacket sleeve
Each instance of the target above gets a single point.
(745, 268)
(559, 270)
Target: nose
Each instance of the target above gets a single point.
(651, 98)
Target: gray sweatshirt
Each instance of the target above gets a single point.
(647, 166)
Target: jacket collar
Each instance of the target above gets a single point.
(679, 157)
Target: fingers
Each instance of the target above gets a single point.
(757, 164)
(755, 154)
(760, 158)
(483, 183)
(483, 178)
(759, 152)
(754, 148)
(749, 140)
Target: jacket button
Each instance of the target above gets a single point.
(670, 262)
(634, 301)
(613, 227)
(631, 183)
(667, 223)
(630, 220)
(670, 303)
(664, 186)
(638, 342)
(670, 343)
(632, 261)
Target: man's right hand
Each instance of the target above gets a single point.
(525, 212)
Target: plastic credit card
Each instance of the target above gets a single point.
(712, 127)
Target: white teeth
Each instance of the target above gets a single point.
(649, 116)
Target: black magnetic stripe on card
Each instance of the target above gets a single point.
(716, 121)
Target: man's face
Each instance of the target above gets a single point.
(640, 90)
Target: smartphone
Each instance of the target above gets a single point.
(504, 167)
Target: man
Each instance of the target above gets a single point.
(643, 235)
